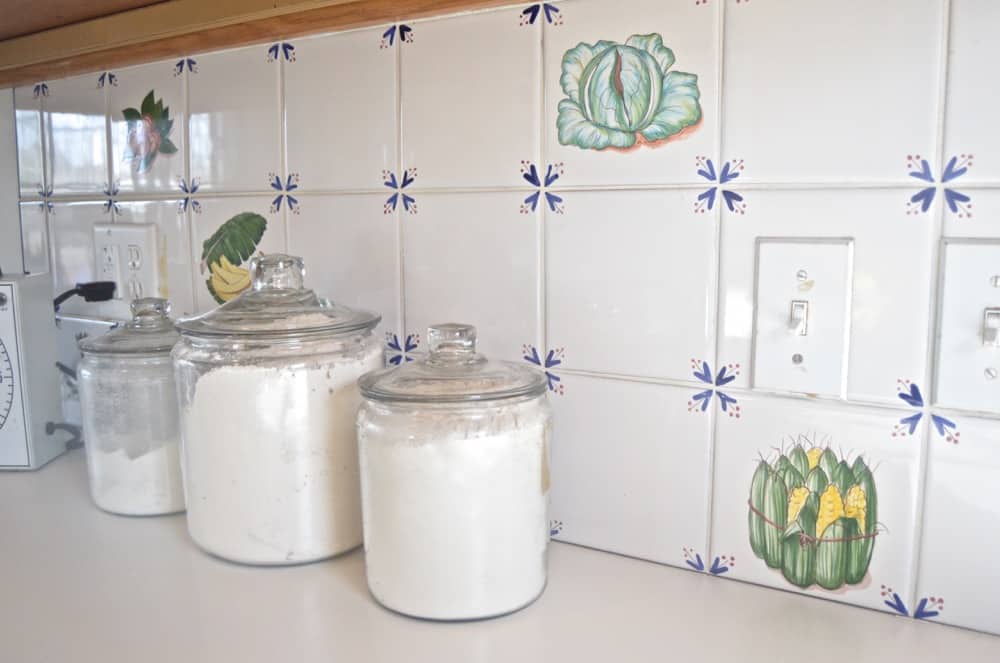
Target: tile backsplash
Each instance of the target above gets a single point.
(630, 195)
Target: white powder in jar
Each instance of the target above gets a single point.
(144, 485)
(270, 459)
(455, 508)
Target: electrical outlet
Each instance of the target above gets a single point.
(127, 253)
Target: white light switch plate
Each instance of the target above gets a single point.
(129, 255)
(968, 369)
(802, 315)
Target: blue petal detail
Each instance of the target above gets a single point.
(913, 398)
(898, 605)
(924, 173)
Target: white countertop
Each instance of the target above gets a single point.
(78, 585)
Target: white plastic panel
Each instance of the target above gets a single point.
(802, 314)
(968, 363)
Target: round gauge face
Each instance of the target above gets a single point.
(6, 384)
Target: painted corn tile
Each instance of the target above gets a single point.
(77, 147)
(625, 457)
(71, 237)
(235, 120)
(631, 94)
(350, 251)
(226, 234)
(487, 276)
(146, 108)
(471, 127)
(830, 111)
(174, 258)
(655, 293)
(34, 237)
(890, 308)
(816, 499)
(28, 123)
(335, 112)
(972, 50)
(961, 530)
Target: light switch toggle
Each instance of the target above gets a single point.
(798, 318)
(991, 327)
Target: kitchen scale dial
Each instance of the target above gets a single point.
(6, 384)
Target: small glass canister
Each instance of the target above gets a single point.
(269, 397)
(455, 481)
(130, 418)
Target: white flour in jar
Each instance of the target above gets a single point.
(455, 512)
(143, 485)
(270, 459)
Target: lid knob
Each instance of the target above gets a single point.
(277, 271)
(451, 340)
(147, 307)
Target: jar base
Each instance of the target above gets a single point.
(137, 514)
(476, 618)
(234, 559)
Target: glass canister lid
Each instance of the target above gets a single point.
(150, 331)
(278, 305)
(453, 372)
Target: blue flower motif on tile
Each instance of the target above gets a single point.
(555, 527)
(551, 13)
(389, 180)
(721, 564)
(389, 36)
(731, 170)
(959, 203)
(285, 187)
(281, 50)
(111, 191)
(553, 358)
(910, 394)
(700, 401)
(189, 190)
(107, 78)
(45, 193)
(927, 607)
(530, 174)
(40, 90)
(398, 352)
(186, 63)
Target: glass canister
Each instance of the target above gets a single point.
(267, 386)
(454, 452)
(130, 419)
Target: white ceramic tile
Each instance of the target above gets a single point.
(470, 95)
(641, 147)
(768, 426)
(473, 258)
(235, 123)
(890, 306)
(629, 469)
(175, 248)
(980, 217)
(71, 233)
(973, 48)
(961, 531)
(351, 252)
(76, 135)
(34, 238)
(823, 90)
(142, 160)
(28, 119)
(214, 213)
(631, 282)
(340, 111)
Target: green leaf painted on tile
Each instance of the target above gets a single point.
(131, 115)
(148, 104)
(167, 146)
(236, 239)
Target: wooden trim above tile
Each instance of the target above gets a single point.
(183, 27)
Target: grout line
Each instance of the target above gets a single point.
(193, 258)
(401, 325)
(17, 172)
(283, 152)
(933, 312)
(713, 430)
(541, 216)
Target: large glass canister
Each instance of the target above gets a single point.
(268, 393)
(455, 481)
(130, 418)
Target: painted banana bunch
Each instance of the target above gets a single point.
(234, 242)
(814, 517)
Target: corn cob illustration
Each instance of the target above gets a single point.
(814, 516)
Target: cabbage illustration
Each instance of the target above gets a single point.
(620, 94)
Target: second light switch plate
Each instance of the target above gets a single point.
(802, 315)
